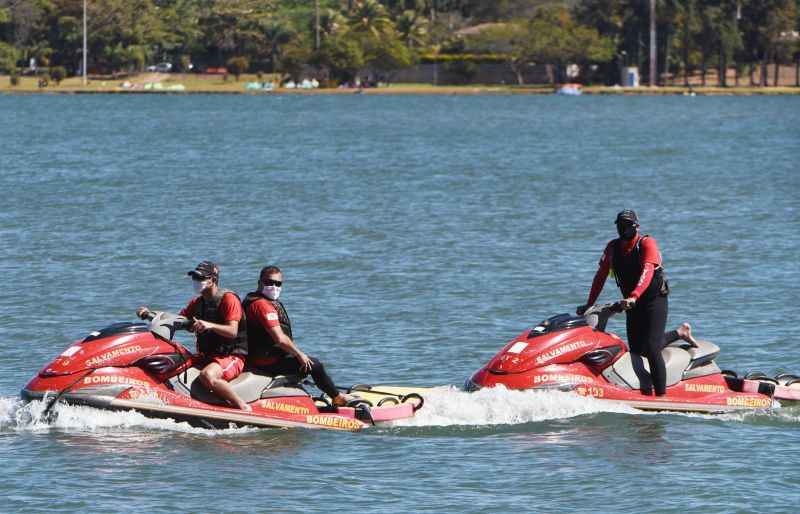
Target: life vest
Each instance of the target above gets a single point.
(628, 268)
(262, 346)
(211, 343)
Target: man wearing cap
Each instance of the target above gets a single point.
(269, 333)
(221, 330)
(636, 264)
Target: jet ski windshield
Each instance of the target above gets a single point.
(116, 329)
(557, 323)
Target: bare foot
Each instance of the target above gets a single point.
(246, 407)
(685, 332)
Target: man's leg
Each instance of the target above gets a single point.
(633, 324)
(655, 318)
(325, 383)
(684, 331)
(211, 376)
(290, 366)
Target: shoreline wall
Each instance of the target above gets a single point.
(487, 73)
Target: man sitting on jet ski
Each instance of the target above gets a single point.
(218, 322)
(269, 332)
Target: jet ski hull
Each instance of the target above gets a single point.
(711, 395)
(125, 367)
(567, 353)
(275, 412)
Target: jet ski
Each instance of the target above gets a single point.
(139, 366)
(575, 353)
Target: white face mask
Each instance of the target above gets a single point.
(271, 292)
(200, 285)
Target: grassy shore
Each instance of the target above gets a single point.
(153, 83)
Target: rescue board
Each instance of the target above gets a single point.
(388, 394)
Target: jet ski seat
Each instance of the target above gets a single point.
(682, 361)
(622, 372)
(702, 358)
(704, 352)
(283, 385)
(249, 386)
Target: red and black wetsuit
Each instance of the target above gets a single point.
(265, 356)
(638, 272)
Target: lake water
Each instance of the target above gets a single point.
(418, 234)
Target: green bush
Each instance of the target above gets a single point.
(237, 66)
(14, 78)
(8, 57)
(58, 73)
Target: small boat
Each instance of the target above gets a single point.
(570, 90)
(138, 366)
(575, 353)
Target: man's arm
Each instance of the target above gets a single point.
(650, 258)
(286, 344)
(231, 310)
(268, 318)
(229, 329)
(600, 276)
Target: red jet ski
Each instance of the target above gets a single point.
(138, 366)
(570, 353)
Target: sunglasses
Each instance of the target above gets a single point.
(270, 282)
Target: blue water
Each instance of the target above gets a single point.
(417, 235)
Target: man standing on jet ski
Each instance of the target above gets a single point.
(636, 263)
(269, 332)
(218, 322)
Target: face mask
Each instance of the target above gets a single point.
(200, 285)
(271, 292)
(626, 231)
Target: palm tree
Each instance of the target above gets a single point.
(331, 22)
(370, 18)
(413, 28)
(276, 32)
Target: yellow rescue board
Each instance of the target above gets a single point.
(377, 393)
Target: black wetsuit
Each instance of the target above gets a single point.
(647, 320)
(291, 366)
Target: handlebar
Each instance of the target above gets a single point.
(597, 316)
(614, 308)
(164, 324)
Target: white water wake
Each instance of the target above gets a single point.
(16, 415)
(446, 406)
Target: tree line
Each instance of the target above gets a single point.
(343, 38)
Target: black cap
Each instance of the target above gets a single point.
(205, 269)
(627, 216)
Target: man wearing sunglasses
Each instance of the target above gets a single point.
(636, 264)
(269, 332)
(218, 323)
